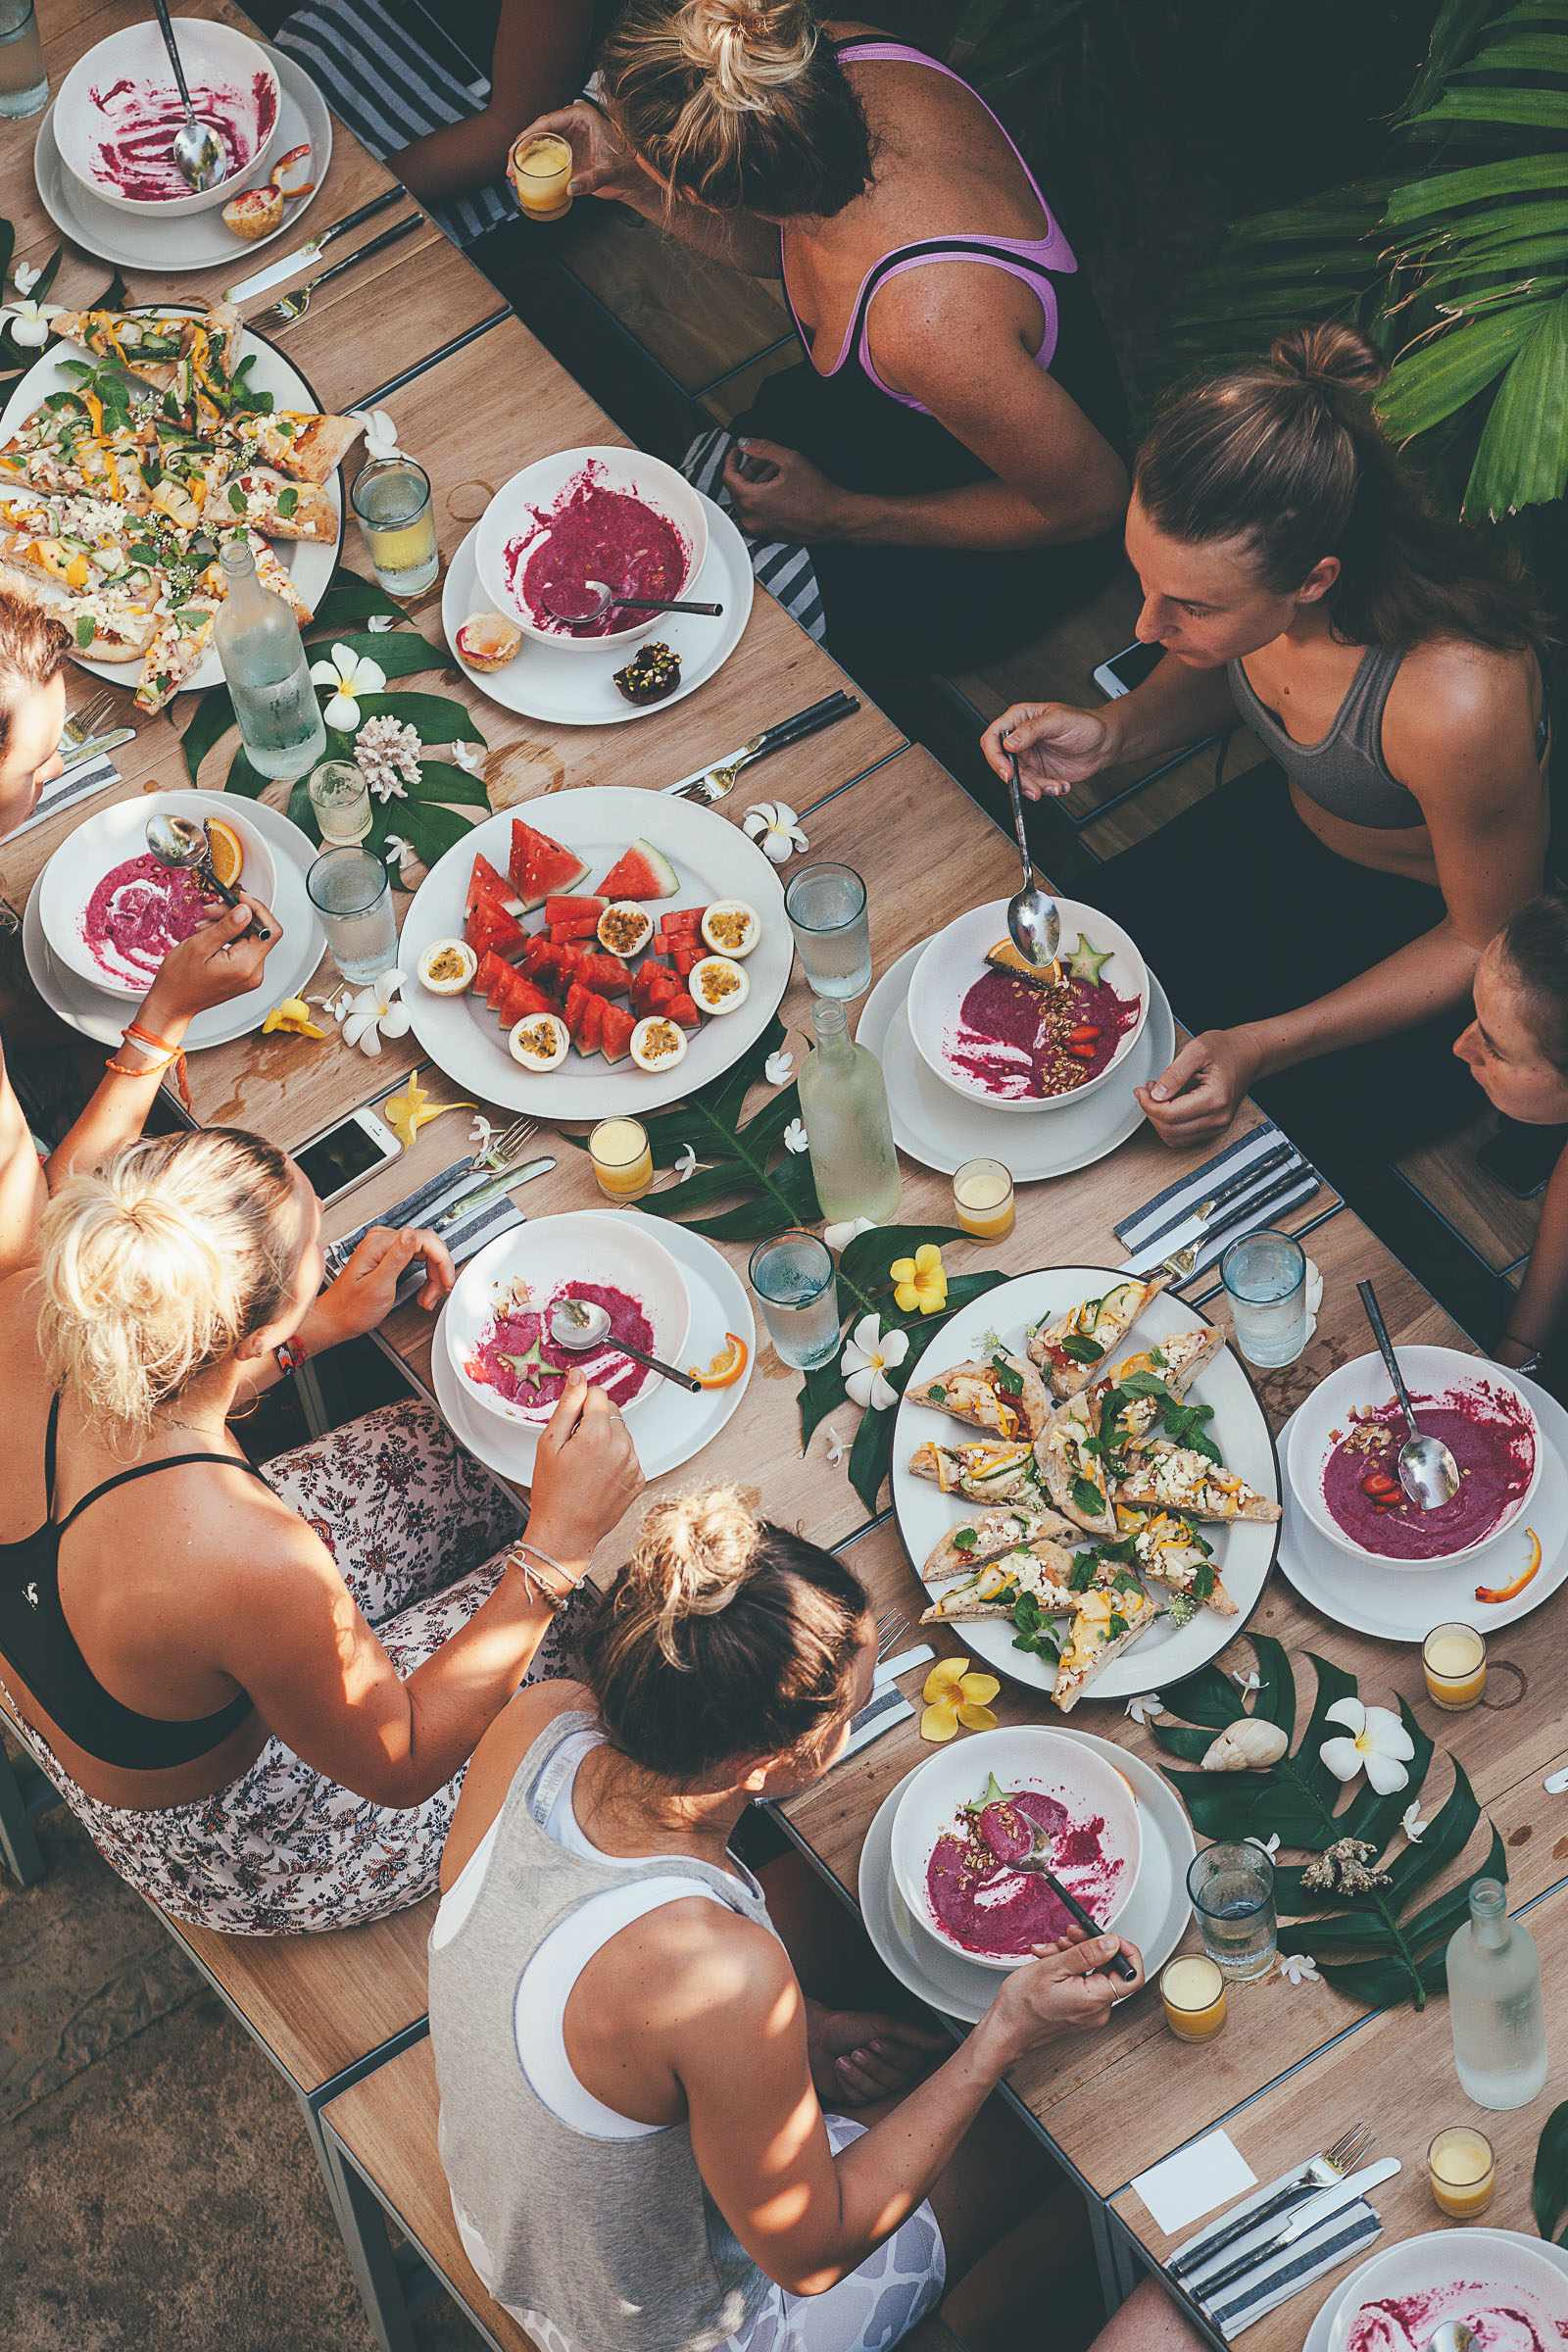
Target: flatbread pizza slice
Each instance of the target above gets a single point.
(1169, 1549)
(273, 573)
(1175, 1362)
(986, 1535)
(307, 447)
(980, 1473)
(148, 344)
(261, 500)
(1173, 1477)
(1110, 1619)
(1000, 1392)
(182, 637)
(1071, 1351)
(1072, 1472)
(994, 1589)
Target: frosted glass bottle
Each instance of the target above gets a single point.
(1494, 2007)
(845, 1107)
(267, 672)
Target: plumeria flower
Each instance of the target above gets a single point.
(920, 1281)
(466, 756)
(1247, 1682)
(1300, 1967)
(406, 1113)
(954, 1695)
(1378, 1741)
(380, 433)
(379, 624)
(25, 278)
(403, 850)
(834, 1447)
(839, 1237)
(375, 1013)
(349, 674)
(1270, 1845)
(1148, 1704)
(28, 321)
(480, 1134)
(775, 829)
(779, 1068)
(293, 1016)
(1414, 1823)
(868, 1355)
(685, 1163)
(795, 1136)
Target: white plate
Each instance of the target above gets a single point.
(675, 1425)
(311, 562)
(1244, 1553)
(1396, 1605)
(1154, 1916)
(103, 1016)
(1322, 2327)
(574, 690)
(938, 1129)
(199, 240)
(713, 859)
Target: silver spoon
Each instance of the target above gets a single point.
(605, 598)
(578, 1324)
(1428, 1471)
(1037, 1862)
(1452, 2337)
(179, 841)
(198, 150)
(1033, 918)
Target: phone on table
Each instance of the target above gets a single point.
(347, 1154)
(1128, 668)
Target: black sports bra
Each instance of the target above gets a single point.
(37, 1639)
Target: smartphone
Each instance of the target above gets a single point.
(347, 1154)
(1128, 668)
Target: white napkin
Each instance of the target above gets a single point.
(879, 1714)
(1340, 2239)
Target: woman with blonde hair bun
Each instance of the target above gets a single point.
(258, 1687)
(943, 471)
(620, 2032)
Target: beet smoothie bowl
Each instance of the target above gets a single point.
(497, 1320)
(1343, 1460)
(1018, 1041)
(1505, 2288)
(967, 1816)
(119, 109)
(617, 516)
(111, 913)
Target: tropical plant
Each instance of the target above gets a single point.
(1386, 1953)
(1550, 2188)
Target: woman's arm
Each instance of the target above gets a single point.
(541, 60)
(606, 167)
(1542, 1306)
(1059, 746)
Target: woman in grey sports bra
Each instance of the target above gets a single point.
(1318, 924)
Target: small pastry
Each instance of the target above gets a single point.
(488, 641)
(652, 673)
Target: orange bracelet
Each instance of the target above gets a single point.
(174, 1054)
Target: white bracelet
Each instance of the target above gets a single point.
(530, 1584)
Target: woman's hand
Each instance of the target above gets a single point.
(603, 162)
(1067, 1990)
(586, 1475)
(1200, 1092)
(366, 1291)
(778, 494)
(1057, 746)
(859, 2056)
(213, 965)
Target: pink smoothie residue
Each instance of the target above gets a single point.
(1017, 1041)
(985, 1905)
(1504, 2320)
(517, 1358)
(595, 533)
(134, 152)
(139, 911)
(1487, 1431)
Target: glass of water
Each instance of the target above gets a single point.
(391, 496)
(826, 908)
(352, 894)
(24, 78)
(793, 1277)
(1232, 1890)
(341, 799)
(1265, 1282)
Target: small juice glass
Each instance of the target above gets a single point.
(341, 799)
(1193, 1994)
(622, 1159)
(983, 1200)
(1462, 2172)
(391, 497)
(1454, 1660)
(540, 171)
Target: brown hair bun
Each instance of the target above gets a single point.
(1330, 356)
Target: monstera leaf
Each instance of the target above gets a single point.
(1550, 2188)
(1385, 1952)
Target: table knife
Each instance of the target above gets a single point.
(777, 738)
(1215, 1226)
(262, 280)
(889, 1668)
(1193, 1228)
(496, 1190)
(94, 746)
(1309, 2217)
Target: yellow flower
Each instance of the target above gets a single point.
(294, 1016)
(954, 1695)
(921, 1281)
(406, 1113)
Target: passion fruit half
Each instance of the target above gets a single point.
(447, 967)
(255, 213)
(718, 984)
(625, 928)
(731, 928)
(657, 1044)
(539, 1042)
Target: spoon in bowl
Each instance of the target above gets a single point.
(1033, 918)
(1428, 1471)
(198, 151)
(177, 840)
(602, 599)
(578, 1324)
(1452, 2337)
(1037, 1862)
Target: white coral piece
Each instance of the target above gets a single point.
(388, 756)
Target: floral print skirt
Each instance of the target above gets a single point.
(417, 1529)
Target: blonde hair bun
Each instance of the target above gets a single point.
(691, 1559)
(747, 49)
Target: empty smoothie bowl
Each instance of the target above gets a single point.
(1512, 2297)
(111, 912)
(119, 109)
(583, 520)
(967, 1817)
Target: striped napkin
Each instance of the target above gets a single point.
(463, 1239)
(1154, 1230)
(880, 1713)
(77, 783)
(1339, 2239)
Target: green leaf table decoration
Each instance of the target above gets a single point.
(1550, 2188)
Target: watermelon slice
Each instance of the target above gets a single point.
(590, 1037)
(576, 1004)
(640, 873)
(494, 977)
(574, 926)
(616, 1033)
(681, 918)
(605, 973)
(558, 909)
(540, 865)
(485, 879)
(683, 1012)
(659, 992)
(686, 958)
(540, 955)
(522, 999)
(490, 926)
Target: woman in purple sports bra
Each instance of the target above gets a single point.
(944, 470)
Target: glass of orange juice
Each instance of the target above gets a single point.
(1193, 1991)
(622, 1157)
(983, 1201)
(1454, 1660)
(540, 171)
(1462, 2171)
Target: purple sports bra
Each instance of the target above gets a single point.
(1032, 260)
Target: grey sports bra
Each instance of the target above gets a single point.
(1345, 773)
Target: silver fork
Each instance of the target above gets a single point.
(891, 1626)
(83, 723)
(294, 306)
(1318, 2171)
(501, 1147)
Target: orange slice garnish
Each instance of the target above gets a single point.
(227, 850)
(1508, 1592)
(727, 1366)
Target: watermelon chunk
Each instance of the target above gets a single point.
(640, 873)
(616, 1033)
(494, 977)
(558, 909)
(660, 991)
(484, 879)
(576, 1004)
(683, 1012)
(522, 999)
(489, 925)
(540, 955)
(681, 918)
(540, 865)
(686, 958)
(574, 926)
(590, 1036)
(605, 973)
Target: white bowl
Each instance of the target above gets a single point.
(1025, 1756)
(551, 1255)
(1427, 1372)
(955, 959)
(1483, 2266)
(108, 840)
(231, 82)
(517, 519)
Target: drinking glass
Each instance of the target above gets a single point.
(341, 799)
(23, 77)
(983, 1201)
(1462, 2171)
(1232, 1890)
(622, 1158)
(1193, 1991)
(793, 1277)
(352, 894)
(540, 171)
(391, 496)
(1454, 1660)
(826, 908)
(1265, 1281)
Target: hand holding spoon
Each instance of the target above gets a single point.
(1033, 918)
(599, 599)
(1036, 1861)
(198, 151)
(578, 1324)
(1428, 1471)
(177, 840)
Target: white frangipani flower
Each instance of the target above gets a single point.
(379, 624)
(380, 433)
(375, 1013)
(1378, 1741)
(403, 850)
(349, 674)
(1147, 1704)
(1247, 1682)
(839, 1237)
(1414, 1823)
(779, 1068)
(25, 278)
(1270, 1845)
(776, 830)
(834, 1448)
(466, 756)
(27, 320)
(479, 1135)
(685, 1163)
(868, 1355)
(795, 1136)
(1298, 1968)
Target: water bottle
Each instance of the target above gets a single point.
(845, 1107)
(267, 672)
(1500, 2027)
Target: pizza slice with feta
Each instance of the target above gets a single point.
(148, 344)
(182, 636)
(1073, 1471)
(264, 501)
(306, 446)
(1166, 1477)
(1175, 1363)
(1070, 1350)
(980, 1473)
(1170, 1549)
(1109, 1619)
(1000, 1392)
(994, 1589)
